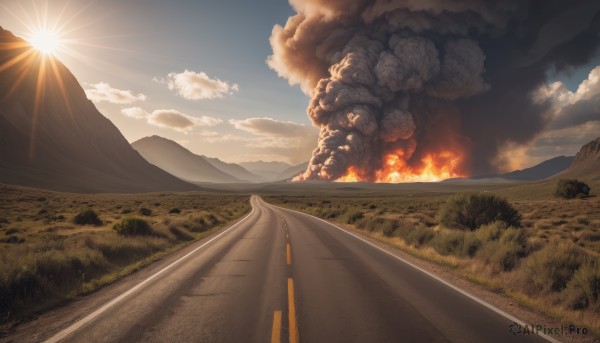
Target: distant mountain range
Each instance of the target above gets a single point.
(179, 161)
(292, 171)
(52, 136)
(268, 170)
(234, 169)
(540, 171)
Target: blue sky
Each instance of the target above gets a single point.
(128, 43)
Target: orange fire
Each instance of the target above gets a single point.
(433, 167)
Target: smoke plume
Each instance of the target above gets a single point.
(427, 83)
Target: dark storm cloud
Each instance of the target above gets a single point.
(422, 76)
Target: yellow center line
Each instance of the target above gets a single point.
(276, 333)
(292, 312)
(289, 255)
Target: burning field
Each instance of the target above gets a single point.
(426, 90)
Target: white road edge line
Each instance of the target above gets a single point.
(75, 326)
(463, 292)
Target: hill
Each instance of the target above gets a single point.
(267, 170)
(541, 171)
(179, 161)
(234, 170)
(53, 137)
(586, 164)
(292, 171)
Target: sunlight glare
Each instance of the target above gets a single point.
(45, 41)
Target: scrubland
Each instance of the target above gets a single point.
(549, 261)
(55, 246)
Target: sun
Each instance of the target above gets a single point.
(46, 41)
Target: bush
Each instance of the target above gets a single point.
(454, 243)
(571, 188)
(145, 211)
(551, 269)
(503, 252)
(134, 227)
(354, 217)
(175, 210)
(471, 210)
(87, 217)
(583, 290)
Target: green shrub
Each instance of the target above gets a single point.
(134, 227)
(501, 256)
(502, 252)
(490, 232)
(354, 217)
(449, 243)
(571, 188)
(87, 217)
(145, 211)
(419, 235)
(174, 210)
(551, 268)
(583, 290)
(389, 226)
(471, 210)
(180, 234)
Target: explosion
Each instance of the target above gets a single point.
(411, 90)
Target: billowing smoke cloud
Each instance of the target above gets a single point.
(418, 78)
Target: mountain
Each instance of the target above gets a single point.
(179, 161)
(52, 136)
(541, 171)
(586, 163)
(268, 170)
(234, 169)
(292, 171)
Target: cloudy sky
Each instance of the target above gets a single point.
(196, 72)
(191, 71)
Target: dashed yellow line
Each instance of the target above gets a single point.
(292, 313)
(276, 333)
(289, 254)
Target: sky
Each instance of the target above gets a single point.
(196, 72)
(143, 57)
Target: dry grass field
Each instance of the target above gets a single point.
(48, 256)
(550, 263)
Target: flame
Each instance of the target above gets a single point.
(433, 167)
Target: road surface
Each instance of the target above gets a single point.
(282, 276)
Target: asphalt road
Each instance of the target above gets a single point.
(279, 275)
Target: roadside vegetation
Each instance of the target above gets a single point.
(540, 250)
(55, 246)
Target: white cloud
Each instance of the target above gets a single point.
(574, 121)
(104, 92)
(195, 86)
(271, 127)
(285, 140)
(171, 119)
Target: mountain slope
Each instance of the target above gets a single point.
(179, 161)
(268, 170)
(586, 163)
(292, 171)
(541, 171)
(52, 136)
(233, 169)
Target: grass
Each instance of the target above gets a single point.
(550, 263)
(47, 258)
